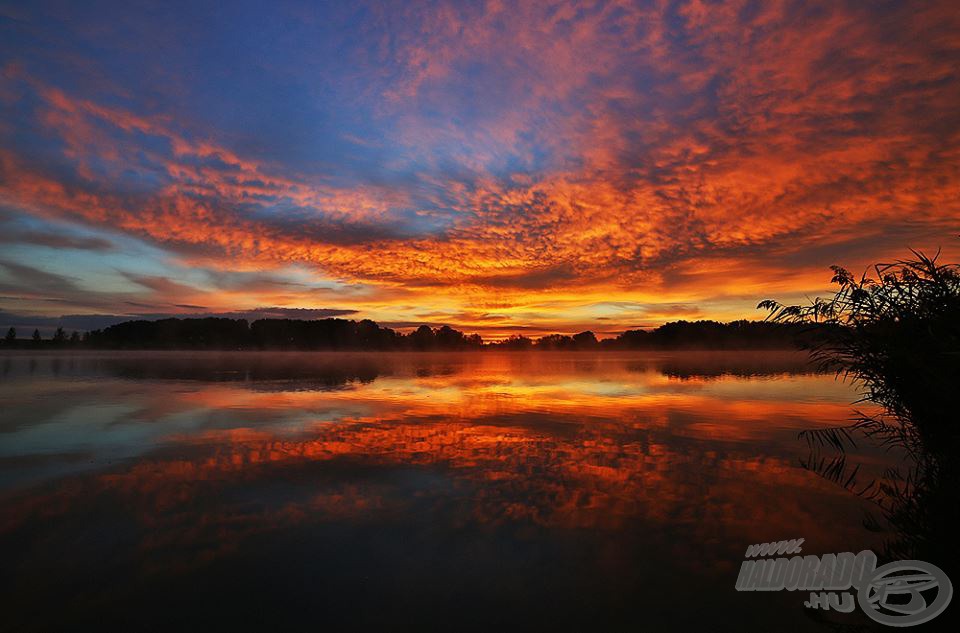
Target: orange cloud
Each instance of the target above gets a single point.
(699, 154)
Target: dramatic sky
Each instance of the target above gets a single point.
(499, 167)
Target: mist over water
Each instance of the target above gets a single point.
(461, 491)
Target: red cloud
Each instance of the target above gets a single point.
(626, 145)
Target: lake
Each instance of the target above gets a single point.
(471, 491)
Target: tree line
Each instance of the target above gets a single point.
(742, 334)
(342, 334)
(59, 339)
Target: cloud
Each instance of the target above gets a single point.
(658, 152)
(55, 240)
(302, 313)
(25, 278)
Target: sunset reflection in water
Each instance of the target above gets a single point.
(531, 489)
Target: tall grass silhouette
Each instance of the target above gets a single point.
(895, 331)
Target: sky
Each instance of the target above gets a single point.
(503, 168)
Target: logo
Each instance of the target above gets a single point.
(898, 593)
(902, 593)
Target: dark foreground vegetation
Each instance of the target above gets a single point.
(896, 331)
(342, 334)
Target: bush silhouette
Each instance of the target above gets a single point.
(898, 333)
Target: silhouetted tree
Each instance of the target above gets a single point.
(369, 335)
(735, 335)
(75, 339)
(59, 337)
(341, 334)
(515, 342)
(450, 339)
(423, 338)
(36, 337)
(585, 340)
(631, 339)
(555, 342)
(320, 334)
(209, 333)
(11, 336)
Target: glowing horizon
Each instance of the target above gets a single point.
(500, 169)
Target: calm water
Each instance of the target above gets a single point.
(479, 491)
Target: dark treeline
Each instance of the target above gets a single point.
(740, 334)
(279, 334)
(342, 334)
(735, 335)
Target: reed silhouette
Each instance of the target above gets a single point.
(896, 332)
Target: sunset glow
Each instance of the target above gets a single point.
(501, 168)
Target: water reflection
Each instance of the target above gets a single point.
(461, 491)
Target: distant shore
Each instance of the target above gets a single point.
(219, 334)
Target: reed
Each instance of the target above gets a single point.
(897, 334)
